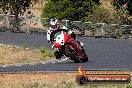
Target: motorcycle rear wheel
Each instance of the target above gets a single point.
(75, 57)
(85, 57)
(71, 56)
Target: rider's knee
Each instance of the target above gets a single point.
(73, 35)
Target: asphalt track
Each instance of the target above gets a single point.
(104, 54)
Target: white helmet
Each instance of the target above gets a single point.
(54, 23)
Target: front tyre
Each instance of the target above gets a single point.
(58, 54)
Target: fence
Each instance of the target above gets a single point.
(32, 24)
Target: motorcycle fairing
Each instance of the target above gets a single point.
(61, 39)
(74, 42)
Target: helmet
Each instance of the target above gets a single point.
(54, 23)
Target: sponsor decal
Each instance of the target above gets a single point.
(83, 78)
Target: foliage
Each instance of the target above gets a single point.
(23, 45)
(107, 15)
(15, 7)
(68, 9)
(123, 5)
(45, 52)
(96, 1)
(86, 10)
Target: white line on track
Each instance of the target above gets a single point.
(4, 66)
(60, 60)
(18, 65)
(63, 60)
(44, 62)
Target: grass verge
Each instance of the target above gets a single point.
(16, 55)
(53, 80)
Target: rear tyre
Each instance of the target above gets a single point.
(71, 55)
(85, 58)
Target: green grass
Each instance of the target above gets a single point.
(46, 52)
(52, 80)
(23, 45)
(64, 84)
(23, 54)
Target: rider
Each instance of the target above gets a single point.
(54, 28)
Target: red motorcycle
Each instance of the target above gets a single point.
(70, 47)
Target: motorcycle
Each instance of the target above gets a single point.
(70, 47)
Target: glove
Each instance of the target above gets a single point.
(52, 46)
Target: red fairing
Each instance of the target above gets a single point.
(76, 45)
(70, 47)
(57, 45)
(66, 38)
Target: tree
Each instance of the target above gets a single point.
(16, 8)
(68, 9)
(96, 1)
(123, 5)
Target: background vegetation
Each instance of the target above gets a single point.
(68, 9)
(123, 5)
(86, 10)
(16, 8)
(89, 10)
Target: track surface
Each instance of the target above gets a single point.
(104, 54)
